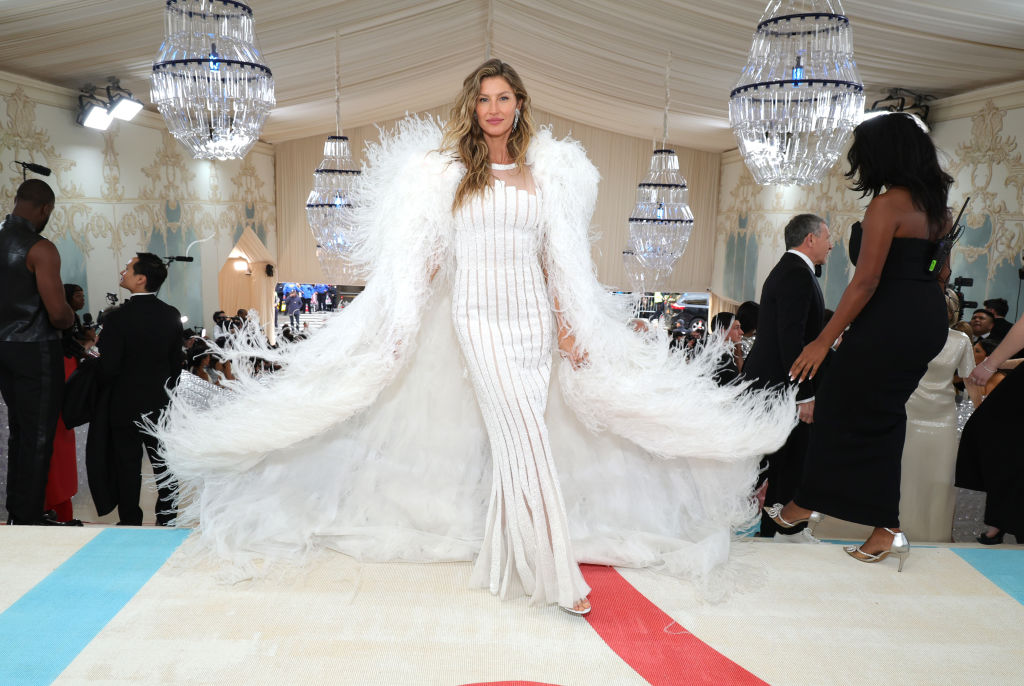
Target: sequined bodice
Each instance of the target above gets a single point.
(499, 230)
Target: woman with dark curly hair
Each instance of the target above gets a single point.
(853, 464)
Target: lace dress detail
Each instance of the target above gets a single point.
(503, 321)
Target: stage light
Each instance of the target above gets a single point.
(92, 111)
(123, 105)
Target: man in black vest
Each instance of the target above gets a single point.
(33, 312)
(140, 357)
(791, 315)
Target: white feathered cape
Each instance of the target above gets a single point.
(369, 439)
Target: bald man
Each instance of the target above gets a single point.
(33, 312)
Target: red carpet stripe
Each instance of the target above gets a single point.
(635, 628)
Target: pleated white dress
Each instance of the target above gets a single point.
(503, 320)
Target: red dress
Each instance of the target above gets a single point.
(62, 483)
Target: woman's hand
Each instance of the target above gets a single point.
(981, 374)
(567, 349)
(807, 365)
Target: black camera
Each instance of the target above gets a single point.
(959, 283)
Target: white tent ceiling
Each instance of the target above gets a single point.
(599, 62)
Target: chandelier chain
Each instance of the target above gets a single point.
(337, 82)
(668, 100)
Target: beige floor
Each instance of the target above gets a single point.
(808, 615)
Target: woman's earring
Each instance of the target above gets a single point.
(515, 122)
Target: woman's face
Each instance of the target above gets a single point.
(496, 106)
(979, 354)
(77, 300)
(735, 332)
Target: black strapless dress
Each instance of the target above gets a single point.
(852, 469)
(990, 456)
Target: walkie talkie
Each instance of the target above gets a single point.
(945, 245)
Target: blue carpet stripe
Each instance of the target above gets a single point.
(45, 629)
(1004, 568)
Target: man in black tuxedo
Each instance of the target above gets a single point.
(999, 308)
(792, 309)
(140, 357)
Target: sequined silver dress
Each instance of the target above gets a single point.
(503, 321)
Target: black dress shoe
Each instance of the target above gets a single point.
(44, 521)
(994, 540)
(51, 516)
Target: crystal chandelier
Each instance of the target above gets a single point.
(799, 96)
(209, 81)
(642, 279)
(329, 205)
(661, 222)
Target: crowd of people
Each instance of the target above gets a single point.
(874, 443)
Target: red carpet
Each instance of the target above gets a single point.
(649, 641)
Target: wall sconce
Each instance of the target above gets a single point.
(92, 110)
(242, 265)
(123, 105)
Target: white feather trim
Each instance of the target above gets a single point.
(403, 214)
(633, 386)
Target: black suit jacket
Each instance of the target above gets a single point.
(140, 356)
(792, 310)
(1000, 328)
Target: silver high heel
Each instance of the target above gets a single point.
(775, 513)
(900, 548)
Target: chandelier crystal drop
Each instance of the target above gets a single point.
(329, 205)
(799, 95)
(641, 279)
(209, 81)
(661, 222)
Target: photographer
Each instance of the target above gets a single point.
(79, 337)
(140, 356)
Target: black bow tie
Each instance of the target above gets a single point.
(817, 270)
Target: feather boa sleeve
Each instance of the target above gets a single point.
(402, 220)
(633, 386)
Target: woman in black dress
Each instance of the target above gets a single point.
(988, 459)
(852, 469)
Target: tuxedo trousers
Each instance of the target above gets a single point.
(785, 470)
(127, 445)
(32, 384)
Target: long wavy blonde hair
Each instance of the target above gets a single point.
(464, 138)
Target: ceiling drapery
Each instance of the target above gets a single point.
(597, 62)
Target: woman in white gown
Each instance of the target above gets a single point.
(475, 241)
(927, 496)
